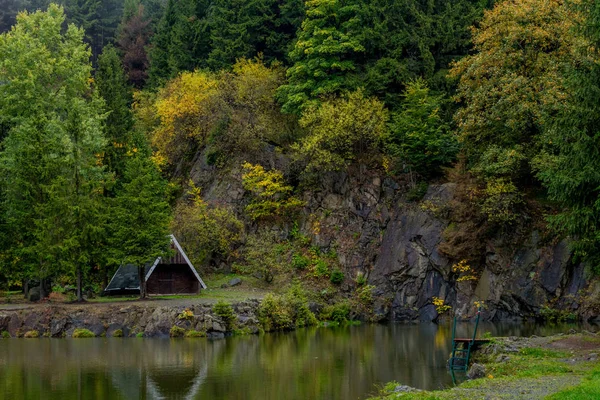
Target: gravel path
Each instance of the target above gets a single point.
(525, 388)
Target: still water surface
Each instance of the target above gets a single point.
(325, 363)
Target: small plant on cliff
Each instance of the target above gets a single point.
(195, 334)
(31, 334)
(464, 270)
(5, 335)
(83, 333)
(186, 315)
(440, 305)
(360, 279)
(226, 313)
(176, 331)
(337, 276)
(300, 261)
(271, 197)
(118, 333)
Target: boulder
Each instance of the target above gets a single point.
(476, 371)
(234, 282)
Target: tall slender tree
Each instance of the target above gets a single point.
(570, 165)
(49, 169)
(141, 216)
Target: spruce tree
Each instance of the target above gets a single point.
(113, 88)
(49, 167)
(324, 55)
(140, 216)
(570, 165)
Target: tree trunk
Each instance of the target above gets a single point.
(79, 291)
(26, 288)
(142, 276)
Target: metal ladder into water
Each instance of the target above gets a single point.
(462, 347)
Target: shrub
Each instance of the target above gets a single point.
(299, 261)
(31, 334)
(226, 313)
(118, 333)
(83, 333)
(195, 334)
(271, 197)
(338, 313)
(501, 201)
(287, 311)
(360, 279)
(337, 277)
(5, 335)
(418, 192)
(176, 331)
(139, 335)
(186, 315)
(321, 268)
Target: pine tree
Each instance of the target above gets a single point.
(324, 55)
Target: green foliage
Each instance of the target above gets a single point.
(113, 88)
(117, 333)
(224, 311)
(501, 201)
(338, 313)
(5, 335)
(321, 268)
(287, 311)
(418, 192)
(323, 54)
(195, 334)
(420, 139)
(139, 335)
(181, 42)
(31, 334)
(569, 166)
(513, 83)
(206, 232)
(187, 315)
(52, 175)
(342, 131)
(83, 333)
(260, 256)
(300, 261)
(271, 197)
(176, 331)
(337, 276)
(141, 216)
(233, 113)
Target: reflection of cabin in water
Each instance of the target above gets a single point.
(173, 275)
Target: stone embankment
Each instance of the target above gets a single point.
(126, 320)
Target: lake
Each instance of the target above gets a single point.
(319, 363)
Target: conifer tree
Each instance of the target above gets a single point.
(113, 88)
(49, 167)
(140, 216)
(570, 165)
(324, 54)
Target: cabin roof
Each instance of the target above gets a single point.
(126, 277)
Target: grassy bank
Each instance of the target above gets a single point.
(558, 367)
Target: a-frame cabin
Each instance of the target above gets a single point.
(174, 275)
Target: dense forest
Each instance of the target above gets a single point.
(106, 107)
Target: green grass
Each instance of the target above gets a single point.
(588, 389)
(528, 363)
(251, 288)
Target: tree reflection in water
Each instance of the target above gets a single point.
(325, 363)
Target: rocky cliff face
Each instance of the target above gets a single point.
(395, 244)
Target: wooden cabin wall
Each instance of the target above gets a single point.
(172, 279)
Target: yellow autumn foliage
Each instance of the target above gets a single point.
(232, 112)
